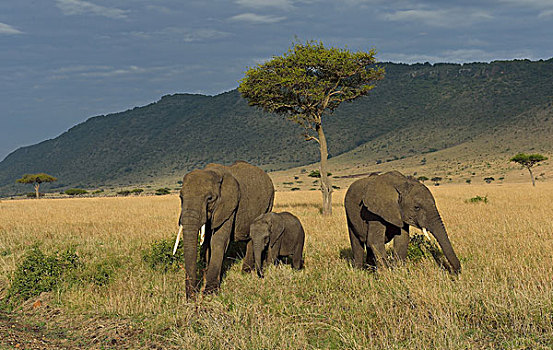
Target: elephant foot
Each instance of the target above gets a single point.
(210, 289)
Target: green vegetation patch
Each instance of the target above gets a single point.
(477, 199)
(160, 256)
(39, 273)
(75, 191)
(421, 248)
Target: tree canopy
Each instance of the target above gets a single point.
(307, 81)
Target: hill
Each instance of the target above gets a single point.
(416, 110)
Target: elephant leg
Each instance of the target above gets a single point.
(401, 242)
(376, 240)
(219, 244)
(297, 261)
(356, 248)
(248, 264)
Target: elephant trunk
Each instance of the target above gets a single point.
(191, 221)
(190, 246)
(258, 248)
(436, 226)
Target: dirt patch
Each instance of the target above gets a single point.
(38, 325)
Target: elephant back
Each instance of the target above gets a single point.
(256, 196)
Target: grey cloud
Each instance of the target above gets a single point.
(457, 17)
(7, 29)
(185, 34)
(282, 4)
(80, 7)
(256, 19)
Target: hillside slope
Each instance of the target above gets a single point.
(416, 109)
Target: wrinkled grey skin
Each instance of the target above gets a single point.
(226, 199)
(277, 235)
(380, 208)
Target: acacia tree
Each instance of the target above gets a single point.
(528, 161)
(36, 180)
(306, 82)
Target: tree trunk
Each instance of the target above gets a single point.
(37, 186)
(326, 186)
(532, 177)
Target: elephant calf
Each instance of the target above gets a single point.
(277, 235)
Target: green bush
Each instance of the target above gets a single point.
(98, 192)
(38, 272)
(137, 191)
(477, 199)
(33, 195)
(317, 173)
(160, 256)
(75, 191)
(295, 189)
(163, 191)
(421, 248)
(124, 193)
(101, 273)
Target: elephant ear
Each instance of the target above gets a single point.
(382, 199)
(277, 229)
(227, 202)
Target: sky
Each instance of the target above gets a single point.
(64, 61)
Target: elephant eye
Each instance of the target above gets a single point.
(417, 208)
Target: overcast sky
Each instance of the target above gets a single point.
(63, 61)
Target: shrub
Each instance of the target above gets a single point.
(101, 273)
(75, 191)
(477, 199)
(163, 191)
(124, 193)
(489, 179)
(160, 256)
(295, 189)
(98, 192)
(39, 273)
(420, 248)
(33, 195)
(137, 191)
(316, 173)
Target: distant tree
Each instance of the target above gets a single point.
(489, 179)
(468, 181)
(306, 82)
(436, 179)
(422, 178)
(528, 161)
(36, 180)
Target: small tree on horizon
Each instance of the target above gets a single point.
(306, 82)
(36, 180)
(528, 161)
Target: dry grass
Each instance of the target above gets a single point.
(502, 299)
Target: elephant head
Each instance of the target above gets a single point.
(209, 196)
(401, 200)
(265, 232)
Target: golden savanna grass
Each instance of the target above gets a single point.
(502, 299)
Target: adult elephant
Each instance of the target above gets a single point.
(380, 208)
(223, 201)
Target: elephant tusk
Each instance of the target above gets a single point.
(202, 234)
(178, 239)
(426, 233)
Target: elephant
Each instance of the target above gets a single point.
(380, 208)
(221, 201)
(277, 235)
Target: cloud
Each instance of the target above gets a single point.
(546, 13)
(184, 34)
(80, 7)
(7, 29)
(281, 4)
(256, 19)
(439, 18)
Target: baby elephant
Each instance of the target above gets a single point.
(277, 235)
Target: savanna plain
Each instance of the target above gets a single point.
(110, 296)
